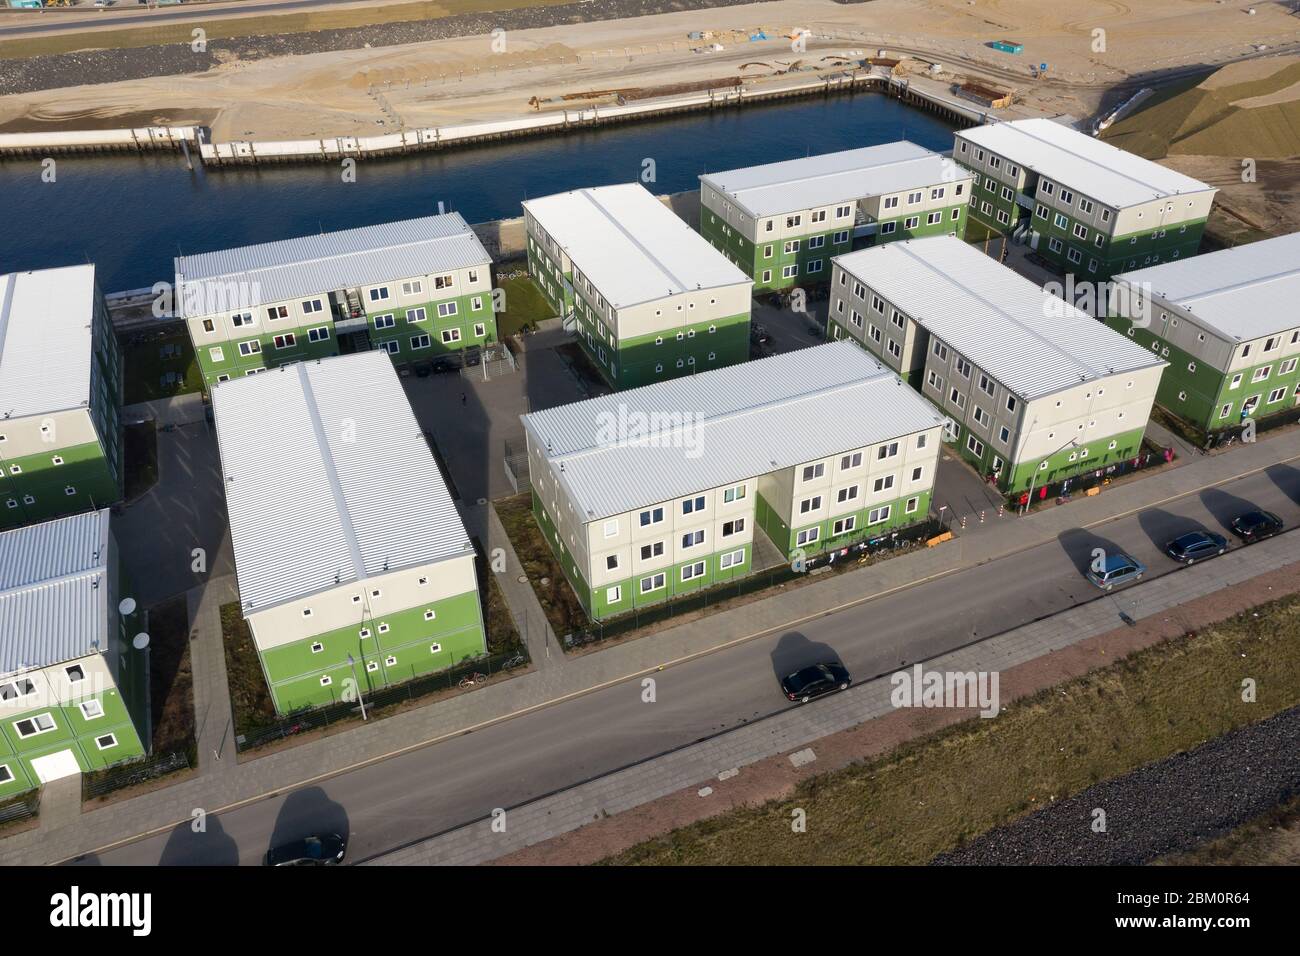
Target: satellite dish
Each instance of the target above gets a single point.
(140, 641)
(126, 605)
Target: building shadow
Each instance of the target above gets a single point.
(794, 651)
(1223, 507)
(1287, 479)
(211, 847)
(1163, 526)
(306, 813)
(1082, 546)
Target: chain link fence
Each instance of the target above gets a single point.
(516, 465)
(142, 770)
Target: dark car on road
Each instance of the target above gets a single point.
(1256, 526)
(804, 685)
(1196, 546)
(324, 850)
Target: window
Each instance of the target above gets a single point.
(6, 775)
(735, 526)
(450, 335)
(887, 227)
(250, 348)
(695, 570)
(416, 315)
(847, 494)
(611, 562)
(691, 505)
(614, 595)
(317, 647)
(807, 536)
(108, 741)
(1004, 434)
(962, 367)
(732, 558)
(883, 484)
(851, 461)
(733, 494)
(917, 472)
(430, 614)
(392, 348)
(649, 551)
(911, 222)
(241, 319)
(1261, 373)
(209, 326)
(877, 515)
(412, 287)
(75, 673)
(653, 516)
(844, 525)
(653, 583)
(217, 353)
(692, 539)
(379, 295)
(810, 504)
(911, 506)
(933, 218)
(1276, 395)
(791, 246)
(813, 471)
(889, 450)
(91, 709)
(17, 688)
(1236, 381)
(384, 321)
(420, 341)
(445, 309)
(975, 447)
(33, 726)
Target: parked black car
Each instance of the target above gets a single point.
(804, 685)
(326, 850)
(759, 335)
(1256, 526)
(1196, 546)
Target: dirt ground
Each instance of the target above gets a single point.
(775, 778)
(351, 92)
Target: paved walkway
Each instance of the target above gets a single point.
(790, 731)
(374, 741)
(212, 716)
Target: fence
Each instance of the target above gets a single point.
(854, 551)
(492, 362)
(1100, 476)
(462, 674)
(20, 808)
(1226, 436)
(101, 782)
(515, 460)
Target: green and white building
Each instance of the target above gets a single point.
(347, 542)
(671, 488)
(418, 290)
(1035, 389)
(74, 690)
(1227, 323)
(60, 395)
(782, 222)
(648, 299)
(1090, 208)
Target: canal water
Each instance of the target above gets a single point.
(131, 214)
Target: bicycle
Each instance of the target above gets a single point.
(470, 680)
(517, 661)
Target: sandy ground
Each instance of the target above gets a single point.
(463, 80)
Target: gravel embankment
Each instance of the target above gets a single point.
(1166, 807)
(109, 66)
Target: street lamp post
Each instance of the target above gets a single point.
(360, 697)
(1034, 474)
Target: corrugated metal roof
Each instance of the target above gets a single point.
(630, 245)
(328, 479)
(249, 276)
(45, 340)
(823, 180)
(1243, 293)
(53, 592)
(723, 426)
(1031, 341)
(1086, 164)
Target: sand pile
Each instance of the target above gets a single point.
(1245, 109)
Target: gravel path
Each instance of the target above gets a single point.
(1165, 807)
(109, 66)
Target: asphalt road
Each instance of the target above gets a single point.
(119, 17)
(458, 781)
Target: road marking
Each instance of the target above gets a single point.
(596, 688)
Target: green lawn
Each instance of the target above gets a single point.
(525, 305)
(935, 793)
(144, 366)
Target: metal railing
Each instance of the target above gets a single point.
(463, 675)
(20, 808)
(102, 782)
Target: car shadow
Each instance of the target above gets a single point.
(308, 812)
(794, 651)
(1081, 547)
(1224, 506)
(1287, 479)
(211, 846)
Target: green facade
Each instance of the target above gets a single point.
(400, 646)
(766, 263)
(1057, 243)
(1198, 393)
(1018, 478)
(642, 360)
(785, 537)
(451, 324)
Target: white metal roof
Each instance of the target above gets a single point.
(631, 246)
(651, 444)
(45, 340)
(844, 176)
(1031, 341)
(328, 479)
(53, 592)
(1111, 176)
(249, 276)
(1242, 293)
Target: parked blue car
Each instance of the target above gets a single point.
(1116, 569)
